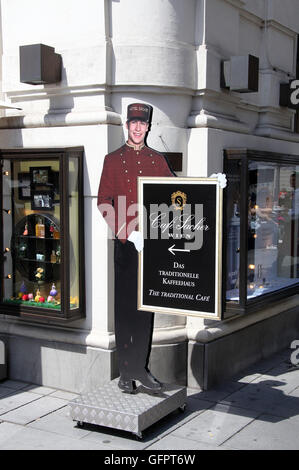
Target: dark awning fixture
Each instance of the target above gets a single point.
(289, 94)
(39, 64)
(175, 160)
(240, 74)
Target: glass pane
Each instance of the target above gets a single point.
(233, 230)
(74, 231)
(31, 233)
(273, 261)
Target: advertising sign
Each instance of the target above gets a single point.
(180, 265)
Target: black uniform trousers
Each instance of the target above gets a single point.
(133, 328)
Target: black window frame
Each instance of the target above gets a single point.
(245, 305)
(66, 314)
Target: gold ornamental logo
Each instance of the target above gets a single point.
(178, 200)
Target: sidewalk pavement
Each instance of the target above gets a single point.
(258, 410)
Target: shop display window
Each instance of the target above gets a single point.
(262, 228)
(42, 236)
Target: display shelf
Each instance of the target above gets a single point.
(37, 238)
(42, 237)
(37, 261)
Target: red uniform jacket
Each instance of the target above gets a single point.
(118, 186)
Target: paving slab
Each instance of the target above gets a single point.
(172, 442)
(177, 419)
(283, 373)
(264, 397)
(35, 439)
(7, 431)
(288, 408)
(266, 433)
(294, 393)
(4, 391)
(59, 422)
(15, 400)
(34, 410)
(39, 389)
(68, 396)
(248, 377)
(259, 409)
(216, 425)
(120, 440)
(216, 393)
(14, 384)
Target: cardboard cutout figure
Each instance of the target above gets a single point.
(117, 201)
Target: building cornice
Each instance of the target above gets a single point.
(226, 327)
(258, 21)
(203, 119)
(276, 133)
(236, 3)
(60, 119)
(281, 28)
(69, 335)
(94, 338)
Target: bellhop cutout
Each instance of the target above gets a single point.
(117, 201)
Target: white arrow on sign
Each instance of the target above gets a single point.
(172, 250)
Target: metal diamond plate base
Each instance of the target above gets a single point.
(109, 406)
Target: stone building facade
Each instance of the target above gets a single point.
(167, 53)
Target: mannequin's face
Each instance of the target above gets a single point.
(136, 131)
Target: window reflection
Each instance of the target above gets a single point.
(273, 230)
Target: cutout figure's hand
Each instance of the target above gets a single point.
(221, 179)
(137, 239)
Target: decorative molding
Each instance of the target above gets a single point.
(60, 119)
(152, 89)
(103, 340)
(276, 133)
(227, 97)
(252, 18)
(240, 4)
(20, 98)
(93, 339)
(170, 335)
(203, 119)
(247, 106)
(226, 327)
(281, 28)
(48, 91)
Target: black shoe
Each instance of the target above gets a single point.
(127, 386)
(149, 381)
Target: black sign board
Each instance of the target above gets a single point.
(180, 265)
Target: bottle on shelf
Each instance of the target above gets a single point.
(58, 254)
(22, 250)
(25, 230)
(56, 234)
(53, 291)
(53, 257)
(40, 229)
(51, 229)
